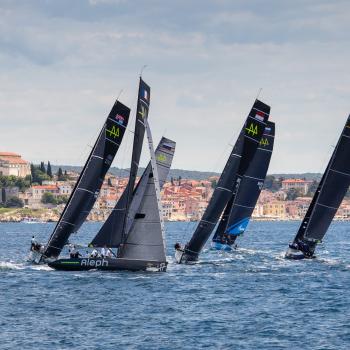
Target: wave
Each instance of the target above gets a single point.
(8, 265)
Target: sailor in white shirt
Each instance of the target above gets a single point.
(108, 253)
(94, 253)
(103, 252)
(34, 243)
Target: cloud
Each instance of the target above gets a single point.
(63, 63)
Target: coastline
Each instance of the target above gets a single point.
(52, 215)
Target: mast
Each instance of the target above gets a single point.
(236, 166)
(164, 156)
(244, 201)
(116, 221)
(90, 180)
(328, 197)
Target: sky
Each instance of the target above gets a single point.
(63, 63)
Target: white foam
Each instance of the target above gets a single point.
(7, 265)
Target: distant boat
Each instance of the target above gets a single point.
(237, 164)
(135, 226)
(88, 185)
(326, 201)
(240, 208)
(31, 220)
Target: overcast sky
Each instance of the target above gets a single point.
(62, 64)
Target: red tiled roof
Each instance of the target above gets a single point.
(45, 187)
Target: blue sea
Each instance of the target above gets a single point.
(251, 298)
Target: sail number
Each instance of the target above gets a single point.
(113, 132)
(253, 129)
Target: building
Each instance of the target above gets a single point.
(275, 209)
(13, 164)
(297, 184)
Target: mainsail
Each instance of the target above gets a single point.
(164, 156)
(117, 220)
(146, 237)
(90, 180)
(328, 197)
(241, 206)
(237, 164)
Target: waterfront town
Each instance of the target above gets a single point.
(31, 192)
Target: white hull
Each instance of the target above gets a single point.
(178, 255)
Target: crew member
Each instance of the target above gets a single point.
(103, 252)
(177, 246)
(108, 253)
(94, 253)
(33, 243)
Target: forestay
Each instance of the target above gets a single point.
(90, 180)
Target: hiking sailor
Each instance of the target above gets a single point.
(108, 253)
(34, 244)
(94, 253)
(103, 252)
(73, 253)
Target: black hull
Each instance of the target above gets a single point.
(107, 264)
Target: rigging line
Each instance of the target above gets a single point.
(259, 92)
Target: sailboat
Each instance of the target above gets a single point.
(88, 185)
(135, 226)
(239, 209)
(326, 201)
(237, 164)
(143, 247)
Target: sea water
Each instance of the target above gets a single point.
(251, 298)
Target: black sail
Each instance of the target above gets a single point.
(90, 180)
(242, 204)
(164, 156)
(328, 197)
(237, 164)
(117, 220)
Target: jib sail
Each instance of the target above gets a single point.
(146, 240)
(164, 156)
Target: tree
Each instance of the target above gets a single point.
(49, 170)
(42, 167)
(213, 183)
(292, 194)
(48, 198)
(14, 202)
(109, 182)
(312, 188)
(59, 174)
(61, 199)
(180, 180)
